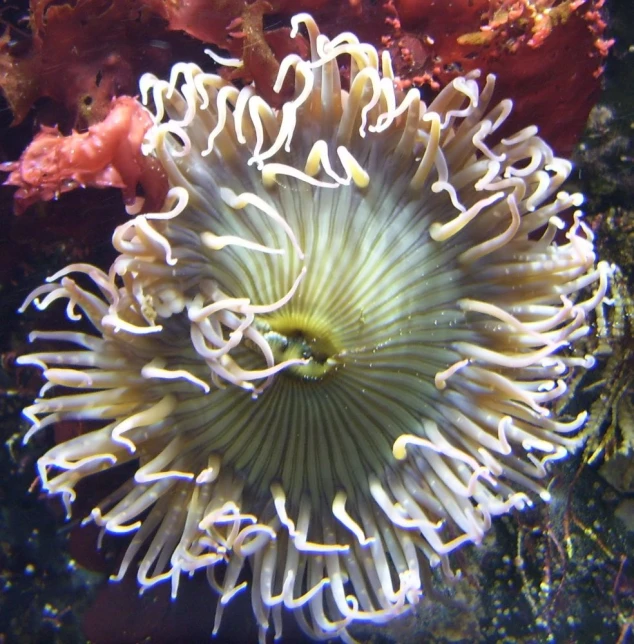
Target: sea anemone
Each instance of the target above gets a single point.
(334, 353)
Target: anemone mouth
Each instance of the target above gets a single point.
(299, 339)
(334, 353)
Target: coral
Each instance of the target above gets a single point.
(548, 55)
(101, 48)
(107, 155)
